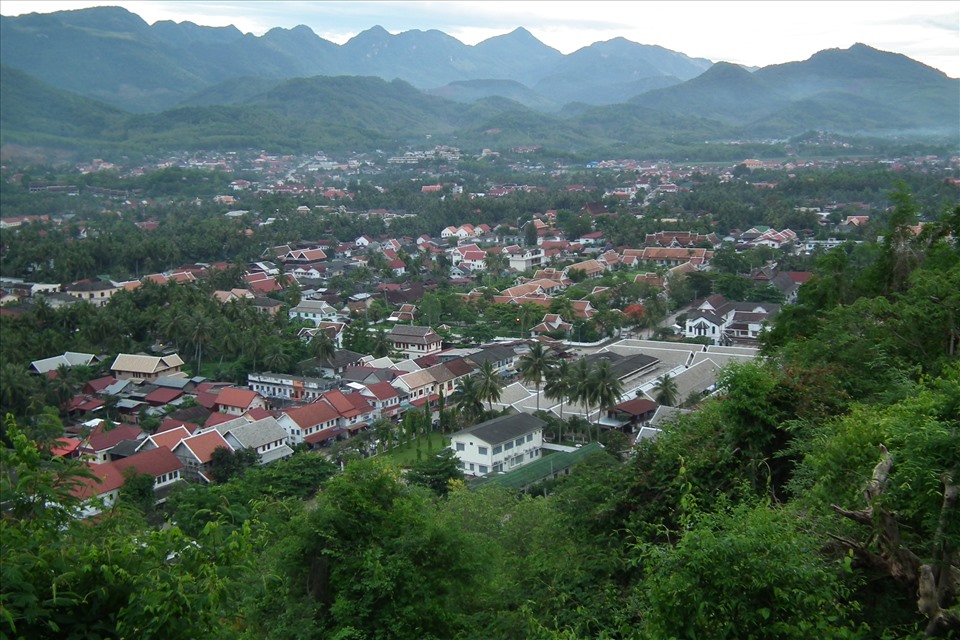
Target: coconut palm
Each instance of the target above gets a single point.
(583, 389)
(382, 346)
(322, 347)
(534, 365)
(467, 399)
(607, 388)
(559, 386)
(489, 383)
(200, 329)
(275, 358)
(666, 391)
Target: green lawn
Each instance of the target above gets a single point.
(406, 454)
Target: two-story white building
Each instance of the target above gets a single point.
(415, 342)
(498, 445)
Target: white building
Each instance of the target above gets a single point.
(498, 445)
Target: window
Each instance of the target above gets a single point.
(498, 468)
(460, 446)
(529, 437)
(471, 466)
(482, 451)
(497, 449)
(518, 442)
(483, 469)
(508, 446)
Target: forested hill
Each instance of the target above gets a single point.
(380, 87)
(816, 496)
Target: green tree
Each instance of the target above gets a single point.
(751, 572)
(489, 384)
(436, 471)
(666, 391)
(534, 365)
(467, 399)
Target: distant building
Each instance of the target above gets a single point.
(498, 445)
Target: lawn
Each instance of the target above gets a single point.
(406, 454)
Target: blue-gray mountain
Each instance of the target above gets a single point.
(293, 90)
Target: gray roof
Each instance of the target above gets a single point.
(492, 354)
(621, 365)
(67, 359)
(171, 382)
(256, 434)
(277, 453)
(503, 428)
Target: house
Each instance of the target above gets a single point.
(355, 413)
(498, 445)
(418, 387)
(95, 291)
(314, 423)
(235, 401)
(314, 311)
(726, 323)
(159, 463)
(332, 367)
(265, 436)
(68, 359)
(143, 367)
(631, 415)
(405, 313)
(99, 492)
(103, 437)
(414, 341)
(525, 259)
(383, 397)
(196, 452)
(552, 322)
(590, 268)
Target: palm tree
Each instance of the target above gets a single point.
(489, 384)
(607, 389)
(382, 346)
(559, 386)
(534, 365)
(275, 358)
(199, 331)
(666, 390)
(583, 390)
(467, 399)
(322, 347)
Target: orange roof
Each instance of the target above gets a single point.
(154, 462)
(202, 446)
(234, 397)
(312, 414)
(106, 478)
(170, 438)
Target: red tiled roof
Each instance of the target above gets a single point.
(154, 462)
(168, 424)
(321, 436)
(312, 414)
(637, 406)
(218, 418)
(64, 446)
(382, 390)
(162, 396)
(101, 440)
(170, 438)
(234, 397)
(106, 478)
(204, 445)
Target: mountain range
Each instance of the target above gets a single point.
(102, 75)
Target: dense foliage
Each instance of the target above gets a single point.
(814, 496)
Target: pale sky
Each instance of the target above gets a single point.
(749, 33)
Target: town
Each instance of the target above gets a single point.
(549, 331)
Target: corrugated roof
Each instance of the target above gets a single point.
(503, 428)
